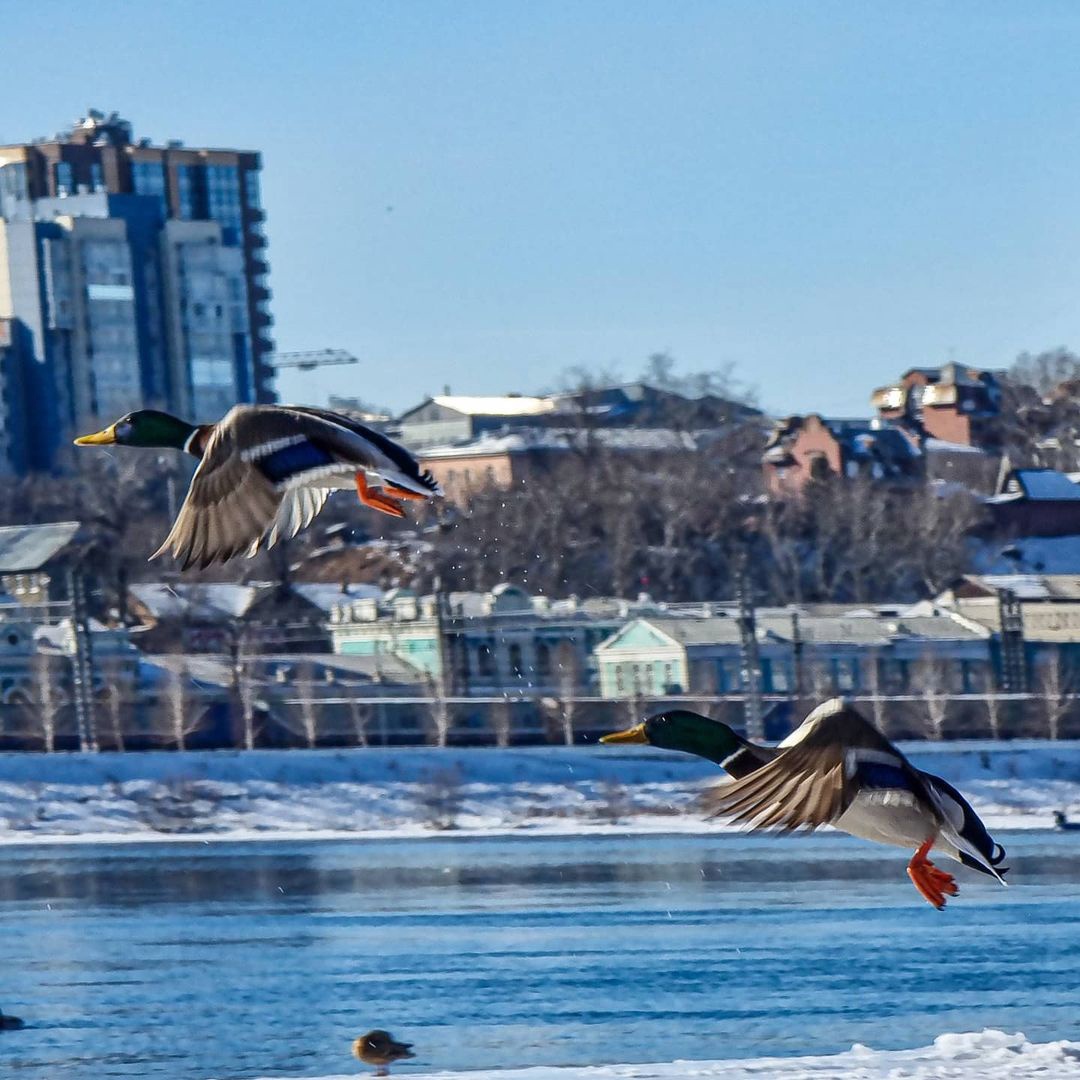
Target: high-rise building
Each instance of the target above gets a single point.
(131, 275)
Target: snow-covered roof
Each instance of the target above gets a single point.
(508, 405)
(516, 442)
(941, 446)
(1032, 586)
(328, 596)
(204, 600)
(25, 548)
(854, 628)
(1039, 554)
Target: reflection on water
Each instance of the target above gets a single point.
(234, 960)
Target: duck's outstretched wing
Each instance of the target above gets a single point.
(814, 780)
(256, 474)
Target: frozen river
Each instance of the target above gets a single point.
(192, 961)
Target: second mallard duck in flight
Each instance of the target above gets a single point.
(835, 769)
(265, 471)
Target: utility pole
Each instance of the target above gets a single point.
(82, 663)
(797, 654)
(748, 653)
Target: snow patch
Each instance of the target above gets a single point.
(986, 1055)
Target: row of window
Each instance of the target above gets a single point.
(202, 191)
(65, 182)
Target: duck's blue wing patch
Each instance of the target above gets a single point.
(290, 461)
(880, 774)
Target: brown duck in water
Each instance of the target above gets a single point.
(381, 1049)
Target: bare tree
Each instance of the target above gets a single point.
(182, 720)
(994, 710)
(877, 698)
(438, 711)
(568, 683)
(1055, 689)
(308, 706)
(933, 683)
(360, 714)
(48, 705)
(115, 703)
(500, 717)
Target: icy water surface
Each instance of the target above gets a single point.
(227, 960)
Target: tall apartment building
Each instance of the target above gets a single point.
(131, 276)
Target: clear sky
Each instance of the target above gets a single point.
(481, 194)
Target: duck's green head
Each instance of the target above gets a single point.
(147, 427)
(681, 729)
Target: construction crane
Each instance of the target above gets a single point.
(315, 358)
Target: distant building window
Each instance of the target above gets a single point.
(223, 200)
(97, 179)
(543, 658)
(148, 178)
(485, 660)
(187, 191)
(516, 666)
(13, 182)
(776, 674)
(620, 682)
(64, 181)
(251, 189)
(845, 674)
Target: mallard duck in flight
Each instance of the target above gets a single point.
(381, 1049)
(835, 769)
(265, 471)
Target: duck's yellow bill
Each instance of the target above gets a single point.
(99, 438)
(636, 734)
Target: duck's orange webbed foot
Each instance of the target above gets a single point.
(376, 500)
(934, 884)
(403, 493)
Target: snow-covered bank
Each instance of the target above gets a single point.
(239, 794)
(989, 1055)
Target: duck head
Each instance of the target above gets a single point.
(681, 729)
(147, 427)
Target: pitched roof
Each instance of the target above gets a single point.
(505, 405)
(1042, 485)
(24, 548)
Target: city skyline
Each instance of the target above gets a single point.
(481, 196)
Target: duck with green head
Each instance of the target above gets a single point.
(265, 471)
(835, 769)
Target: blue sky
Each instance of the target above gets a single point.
(482, 194)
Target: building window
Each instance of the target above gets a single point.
(97, 179)
(485, 660)
(187, 190)
(64, 181)
(845, 674)
(893, 676)
(543, 658)
(516, 666)
(148, 178)
(251, 189)
(223, 200)
(13, 182)
(620, 683)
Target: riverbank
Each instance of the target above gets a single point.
(479, 791)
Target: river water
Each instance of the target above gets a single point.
(231, 959)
